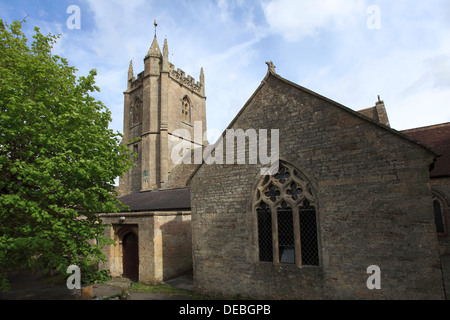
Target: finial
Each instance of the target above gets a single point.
(271, 66)
(130, 70)
(166, 48)
(154, 22)
(379, 100)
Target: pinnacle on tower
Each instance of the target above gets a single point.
(165, 59)
(130, 70)
(154, 50)
(202, 81)
(165, 49)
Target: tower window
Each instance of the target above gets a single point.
(136, 150)
(186, 109)
(137, 111)
(286, 218)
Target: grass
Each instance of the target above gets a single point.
(163, 289)
(169, 290)
(158, 288)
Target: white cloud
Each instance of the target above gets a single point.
(436, 74)
(298, 19)
(407, 61)
(238, 51)
(322, 44)
(418, 109)
(120, 28)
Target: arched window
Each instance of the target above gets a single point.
(137, 111)
(186, 109)
(136, 150)
(286, 218)
(131, 115)
(439, 216)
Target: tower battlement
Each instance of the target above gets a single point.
(136, 82)
(186, 80)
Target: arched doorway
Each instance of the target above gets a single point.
(130, 256)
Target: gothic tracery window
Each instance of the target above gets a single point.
(186, 109)
(286, 218)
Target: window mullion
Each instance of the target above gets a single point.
(297, 238)
(275, 250)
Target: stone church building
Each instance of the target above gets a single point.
(349, 193)
(153, 239)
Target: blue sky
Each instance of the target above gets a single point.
(350, 51)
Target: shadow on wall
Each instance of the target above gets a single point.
(176, 252)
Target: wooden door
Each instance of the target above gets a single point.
(130, 257)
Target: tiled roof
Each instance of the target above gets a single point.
(175, 199)
(437, 137)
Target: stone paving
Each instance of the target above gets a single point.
(27, 286)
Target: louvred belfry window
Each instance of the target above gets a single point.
(286, 218)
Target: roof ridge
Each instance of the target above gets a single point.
(432, 126)
(271, 72)
(357, 114)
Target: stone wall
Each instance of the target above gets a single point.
(441, 186)
(164, 243)
(374, 206)
(175, 249)
(177, 92)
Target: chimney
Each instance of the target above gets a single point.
(381, 112)
(377, 113)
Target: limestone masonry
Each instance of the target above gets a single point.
(350, 193)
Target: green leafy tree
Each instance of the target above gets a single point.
(58, 159)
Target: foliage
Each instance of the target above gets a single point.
(90, 275)
(159, 289)
(124, 294)
(58, 159)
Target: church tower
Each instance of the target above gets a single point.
(158, 102)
